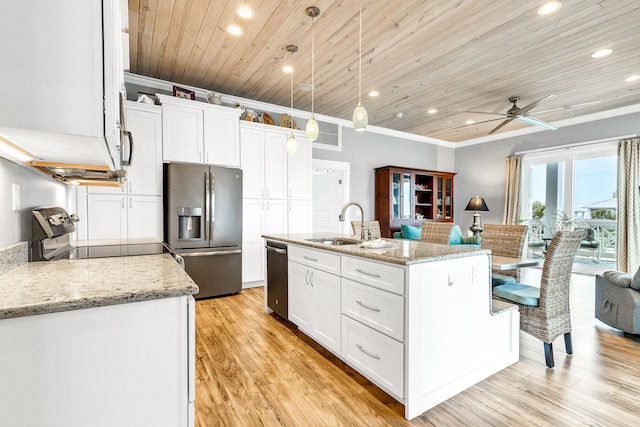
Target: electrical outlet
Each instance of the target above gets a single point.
(15, 191)
(474, 274)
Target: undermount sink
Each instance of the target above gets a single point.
(334, 241)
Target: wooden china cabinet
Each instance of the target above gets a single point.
(412, 196)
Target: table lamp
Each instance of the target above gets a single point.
(476, 204)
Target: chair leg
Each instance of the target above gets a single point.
(567, 343)
(548, 354)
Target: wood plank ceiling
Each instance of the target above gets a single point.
(454, 56)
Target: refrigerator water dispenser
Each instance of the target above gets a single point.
(189, 220)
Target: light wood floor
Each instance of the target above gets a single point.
(254, 369)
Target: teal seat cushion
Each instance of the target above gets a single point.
(397, 235)
(410, 232)
(501, 279)
(456, 235)
(517, 292)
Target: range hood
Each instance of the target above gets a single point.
(68, 173)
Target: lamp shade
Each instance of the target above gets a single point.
(477, 204)
(312, 129)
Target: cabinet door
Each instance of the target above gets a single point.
(221, 139)
(252, 163)
(145, 174)
(275, 164)
(106, 216)
(275, 217)
(300, 216)
(326, 309)
(253, 255)
(182, 134)
(144, 217)
(299, 171)
(300, 297)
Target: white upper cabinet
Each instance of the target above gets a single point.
(275, 165)
(299, 171)
(264, 163)
(62, 79)
(252, 163)
(196, 132)
(144, 176)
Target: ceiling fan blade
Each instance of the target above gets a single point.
(566, 107)
(531, 106)
(532, 121)
(474, 123)
(485, 112)
(501, 124)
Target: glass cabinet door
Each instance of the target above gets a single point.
(406, 196)
(395, 195)
(444, 199)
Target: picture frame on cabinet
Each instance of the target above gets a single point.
(184, 93)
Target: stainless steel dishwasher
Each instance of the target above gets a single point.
(277, 278)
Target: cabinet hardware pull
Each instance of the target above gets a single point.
(360, 303)
(306, 277)
(311, 279)
(367, 273)
(309, 258)
(375, 356)
(450, 281)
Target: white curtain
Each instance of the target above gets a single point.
(512, 190)
(628, 233)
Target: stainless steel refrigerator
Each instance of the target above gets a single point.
(203, 224)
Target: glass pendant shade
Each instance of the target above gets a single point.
(360, 118)
(292, 145)
(312, 130)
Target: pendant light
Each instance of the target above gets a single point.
(292, 145)
(360, 118)
(312, 130)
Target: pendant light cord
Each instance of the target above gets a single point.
(291, 123)
(360, 62)
(313, 87)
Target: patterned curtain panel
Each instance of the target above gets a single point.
(512, 190)
(628, 235)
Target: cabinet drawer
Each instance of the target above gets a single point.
(321, 260)
(374, 355)
(376, 274)
(379, 309)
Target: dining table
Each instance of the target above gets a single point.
(508, 263)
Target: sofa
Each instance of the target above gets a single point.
(617, 301)
(413, 233)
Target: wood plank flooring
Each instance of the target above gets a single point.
(254, 369)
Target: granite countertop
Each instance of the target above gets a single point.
(404, 252)
(64, 285)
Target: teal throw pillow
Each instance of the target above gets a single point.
(471, 240)
(410, 232)
(456, 235)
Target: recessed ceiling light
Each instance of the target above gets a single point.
(374, 93)
(234, 29)
(287, 69)
(549, 7)
(399, 114)
(632, 78)
(469, 122)
(306, 87)
(432, 111)
(602, 53)
(245, 12)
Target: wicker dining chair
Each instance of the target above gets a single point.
(372, 226)
(544, 310)
(508, 241)
(436, 232)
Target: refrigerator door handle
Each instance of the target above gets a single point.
(207, 203)
(211, 253)
(212, 192)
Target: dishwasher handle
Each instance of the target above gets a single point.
(276, 250)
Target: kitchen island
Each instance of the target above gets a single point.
(414, 318)
(100, 342)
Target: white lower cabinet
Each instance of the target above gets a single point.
(124, 217)
(300, 216)
(373, 354)
(314, 300)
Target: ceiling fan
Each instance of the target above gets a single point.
(520, 114)
(517, 113)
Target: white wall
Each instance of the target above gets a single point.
(36, 190)
(481, 167)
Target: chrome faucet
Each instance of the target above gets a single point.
(362, 229)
